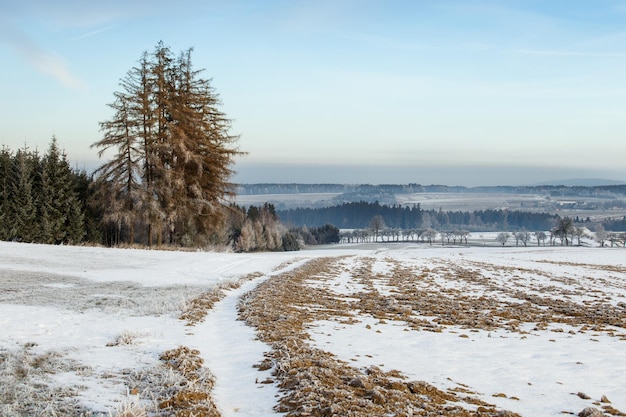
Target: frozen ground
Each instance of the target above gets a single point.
(531, 330)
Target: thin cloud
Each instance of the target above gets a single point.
(42, 60)
(558, 53)
(93, 33)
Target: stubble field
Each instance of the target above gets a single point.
(406, 330)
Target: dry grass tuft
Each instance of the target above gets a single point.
(183, 360)
(125, 338)
(198, 308)
(131, 409)
(590, 412)
(193, 396)
(612, 411)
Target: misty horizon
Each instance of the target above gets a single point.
(355, 171)
(460, 175)
(467, 176)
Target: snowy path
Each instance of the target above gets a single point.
(230, 349)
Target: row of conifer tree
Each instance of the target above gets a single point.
(40, 197)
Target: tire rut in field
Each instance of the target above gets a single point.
(315, 382)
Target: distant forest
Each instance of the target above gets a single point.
(611, 195)
(382, 189)
(358, 215)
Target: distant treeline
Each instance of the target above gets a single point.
(292, 188)
(358, 215)
(554, 190)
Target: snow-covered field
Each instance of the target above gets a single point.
(537, 331)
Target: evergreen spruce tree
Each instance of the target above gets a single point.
(6, 181)
(74, 227)
(60, 212)
(51, 198)
(24, 225)
(92, 214)
(75, 220)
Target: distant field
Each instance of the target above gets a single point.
(565, 206)
(474, 201)
(288, 200)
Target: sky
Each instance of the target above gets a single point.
(457, 92)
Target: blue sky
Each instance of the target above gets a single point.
(457, 92)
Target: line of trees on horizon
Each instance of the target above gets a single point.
(410, 188)
(565, 233)
(358, 215)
